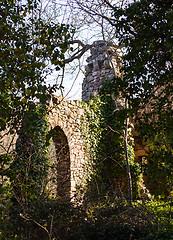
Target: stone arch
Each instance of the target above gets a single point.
(65, 121)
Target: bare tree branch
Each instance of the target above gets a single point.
(79, 53)
(109, 4)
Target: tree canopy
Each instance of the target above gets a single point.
(145, 29)
(29, 48)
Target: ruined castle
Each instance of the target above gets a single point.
(67, 149)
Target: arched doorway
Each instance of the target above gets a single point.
(60, 164)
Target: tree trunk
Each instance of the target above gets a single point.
(127, 158)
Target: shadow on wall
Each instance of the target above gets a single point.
(59, 175)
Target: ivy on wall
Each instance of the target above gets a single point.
(24, 172)
(31, 154)
(29, 168)
(104, 140)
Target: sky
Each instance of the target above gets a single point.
(74, 72)
(88, 30)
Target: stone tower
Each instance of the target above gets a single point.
(103, 63)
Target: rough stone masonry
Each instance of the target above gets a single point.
(67, 152)
(103, 63)
(66, 118)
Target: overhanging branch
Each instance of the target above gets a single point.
(85, 47)
(80, 52)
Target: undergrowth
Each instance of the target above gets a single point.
(103, 220)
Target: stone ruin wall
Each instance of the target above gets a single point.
(103, 63)
(67, 151)
(8, 141)
(66, 121)
(70, 155)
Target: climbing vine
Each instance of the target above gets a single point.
(29, 168)
(105, 117)
(23, 171)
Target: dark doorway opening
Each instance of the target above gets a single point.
(60, 163)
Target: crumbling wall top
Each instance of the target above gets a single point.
(103, 63)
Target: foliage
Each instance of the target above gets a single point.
(39, 217)
(118, 220)
(102, 220)
(31, 155)
(163, 211)
(144, 27)
(36, 222)
(27, 168)
(29, 47)
(106, 122)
